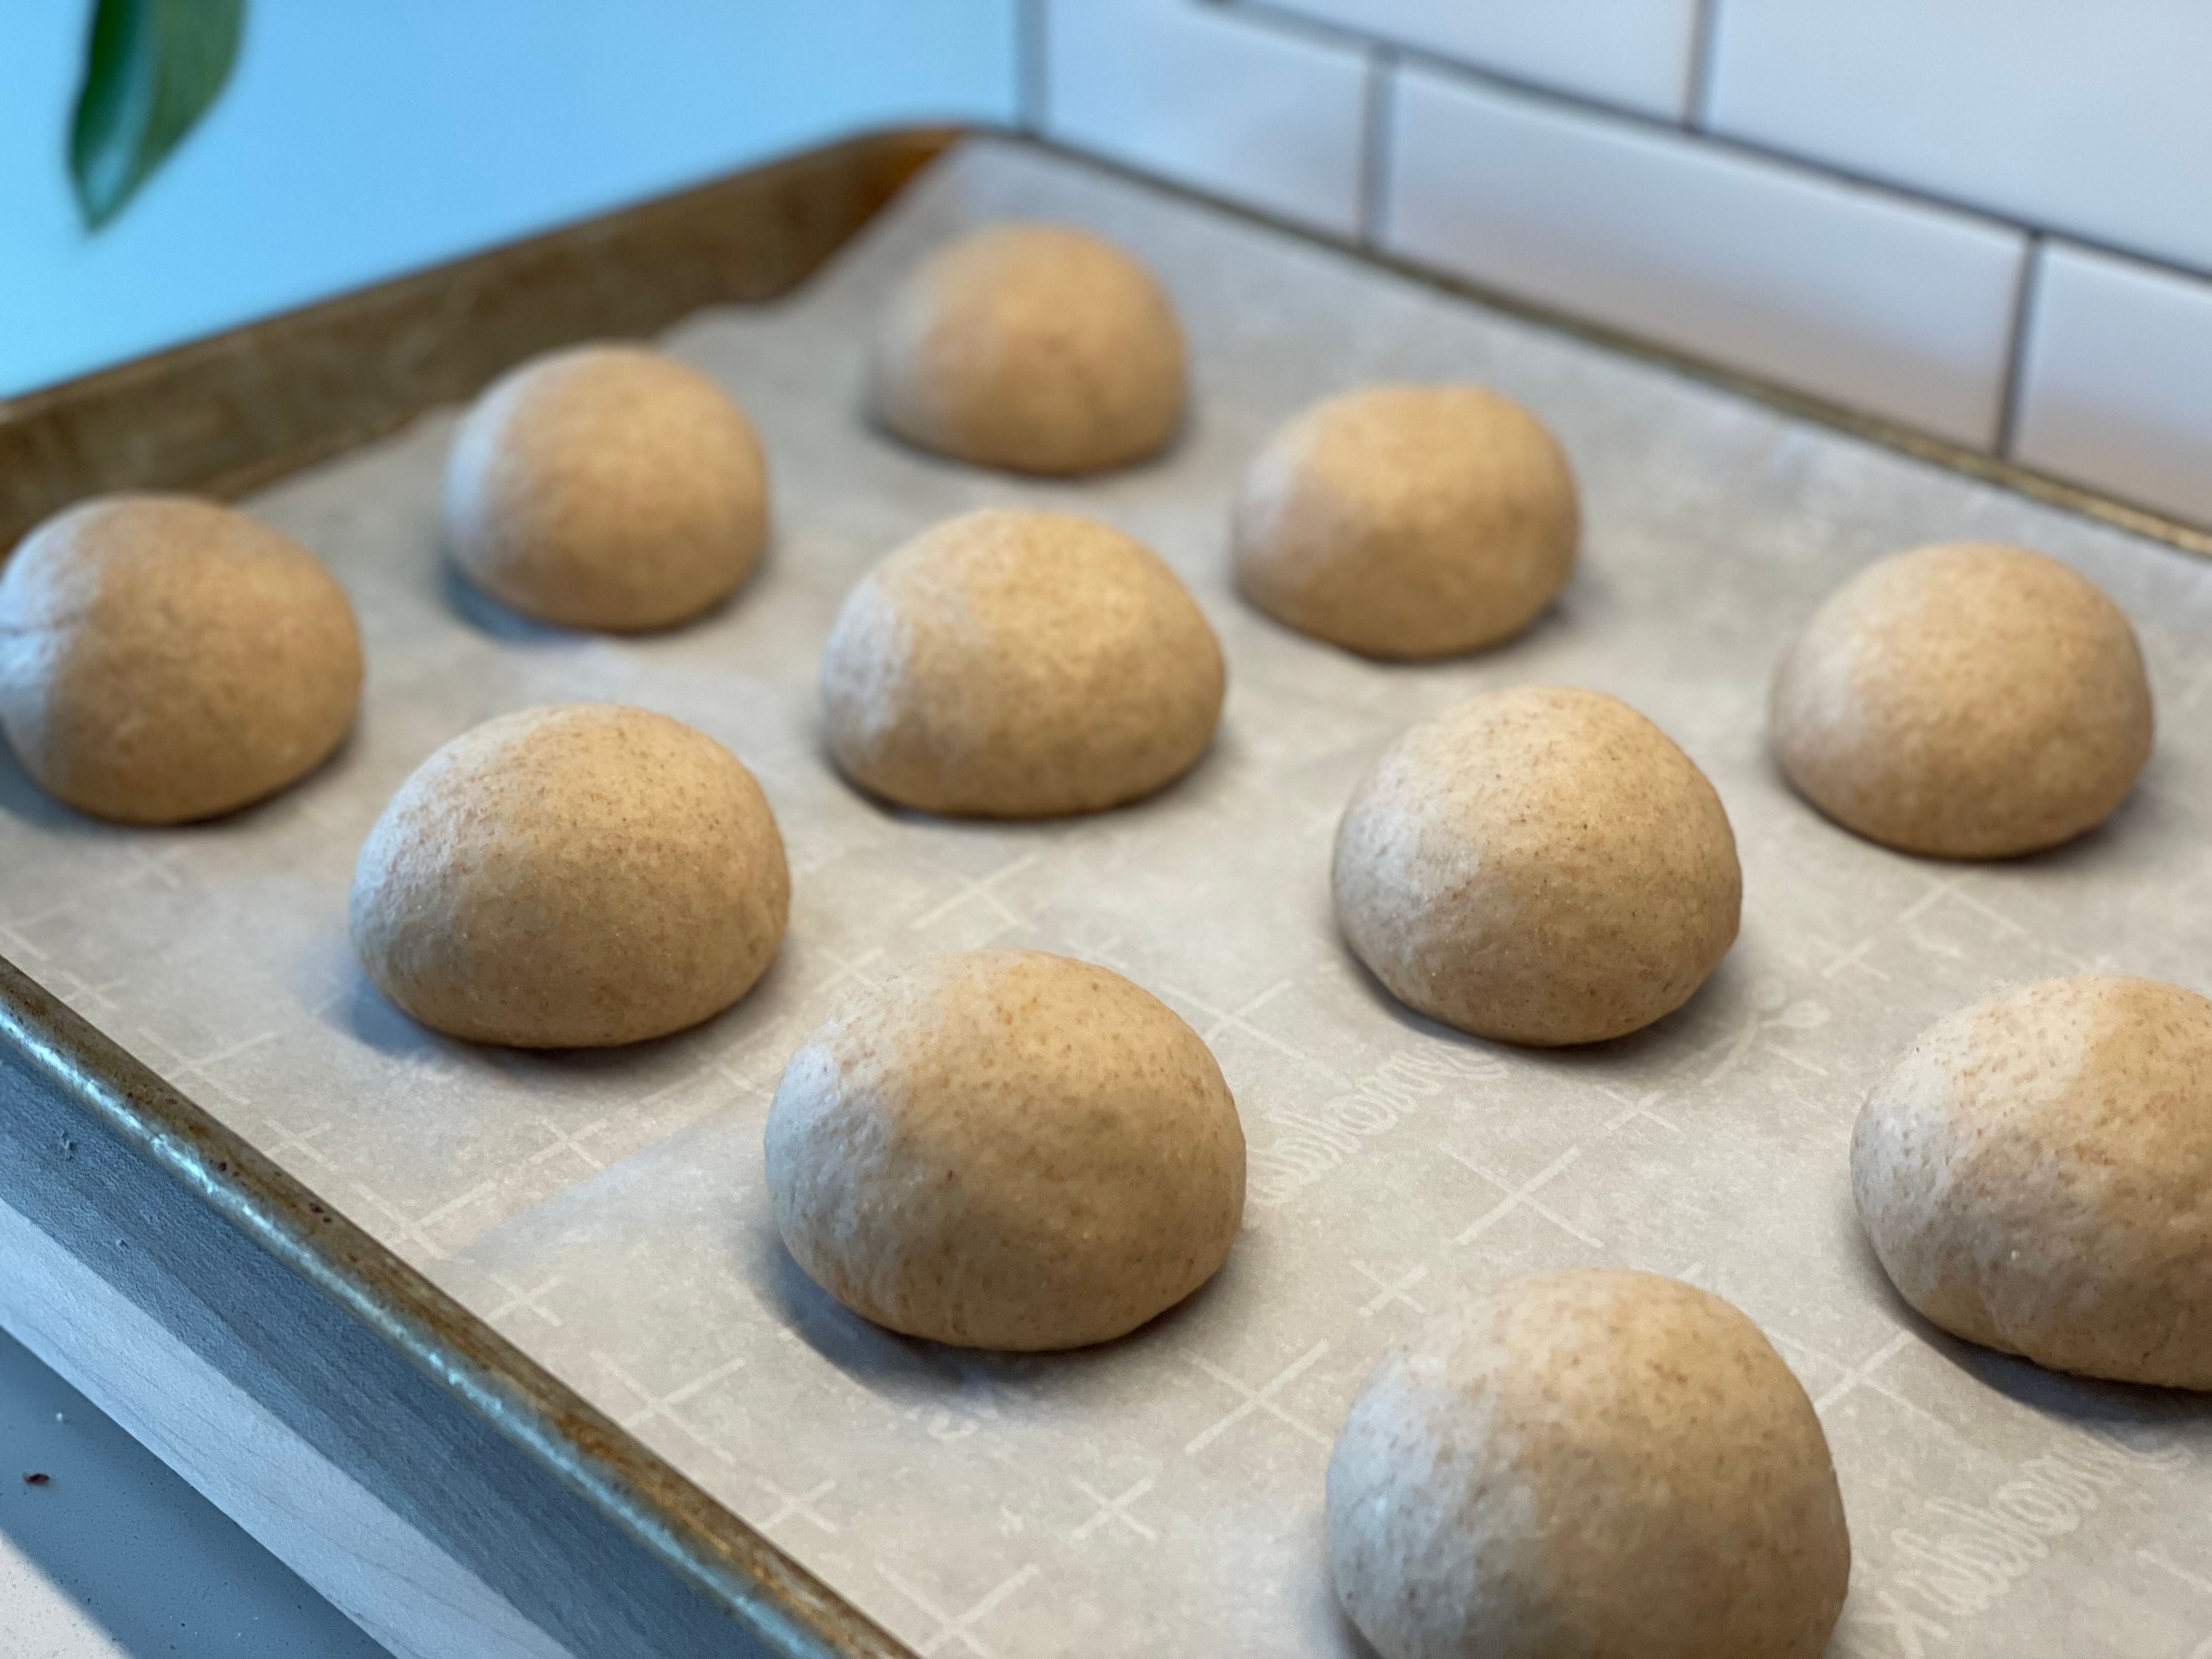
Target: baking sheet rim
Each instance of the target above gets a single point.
(788, 1607)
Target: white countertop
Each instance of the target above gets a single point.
(113, 1556)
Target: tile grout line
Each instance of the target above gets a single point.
(1270, 17)
(1263, 13)
(1375, 130)
(1268, 14)
(1384, 65)
(1705, 44)
(2013, 391)
(2133, 517)
(1029, 25)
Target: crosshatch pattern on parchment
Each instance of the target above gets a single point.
(1162, 1494)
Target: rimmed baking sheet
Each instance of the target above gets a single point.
(1162, 1494)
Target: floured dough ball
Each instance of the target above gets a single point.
(163, 659)
(1540, 866)
(1031, 347)
(1610, 1465)
(1971, 700)
(2036, 1176)
(1007, 1150)
(1409, 520)
(606, 487)
(1019, 665)
(572, 877)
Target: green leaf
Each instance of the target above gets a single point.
(151, 69)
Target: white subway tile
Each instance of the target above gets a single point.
(2089, 116)
(1882, 304)
(1632, 52)
(2116, 388)
(1271, 116)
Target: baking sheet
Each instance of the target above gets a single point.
(1162, 1494)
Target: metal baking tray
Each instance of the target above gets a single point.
(579, 1244)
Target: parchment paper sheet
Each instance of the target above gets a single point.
(1162, 1495)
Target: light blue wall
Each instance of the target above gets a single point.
(359, 138)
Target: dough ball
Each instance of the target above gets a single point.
(1540, 865)
(1007, 1150)
(163, 659)
(1971, 700)
(572, 877)
(606, 487)
(1019, 665)
(1409, 520)
(2036, 1176)
(1610, 1465)
(1030, 347)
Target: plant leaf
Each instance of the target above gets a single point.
(151, 69)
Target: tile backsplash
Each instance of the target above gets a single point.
(1637, 54)
(1275, 119)
(1893, 305)
(1986, 219)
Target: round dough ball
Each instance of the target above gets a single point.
(1031, 347)
(1612, 1465)
(572, 877)
(606, 487)
(1540, 866)
(163, 659)
(1971, 700)
(1020, 665)
(1408, 521)
(1006, 1149)
(2035, 1172)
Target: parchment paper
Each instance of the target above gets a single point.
(1162, 1495)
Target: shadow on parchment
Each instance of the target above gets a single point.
(1721, 989)
(369, 1017)
(1500, 660)
(1355, 1645)
(501, 622)
(2092, 1404)
(22, 798)
(488, 616)
(2093, 846)
(886, 1362)
(364, 1013)
(1197, 786)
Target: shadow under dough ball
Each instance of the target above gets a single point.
(1019, 665)
(1606, 1464)
(1968, 701)
(1540, 866)
(1035, 348)
(606, 487)
(572, 875)
(1006, 1149)
(2034, 1176)
(163, 659)
(1408, 521)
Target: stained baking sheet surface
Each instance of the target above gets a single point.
(1162, 1494)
